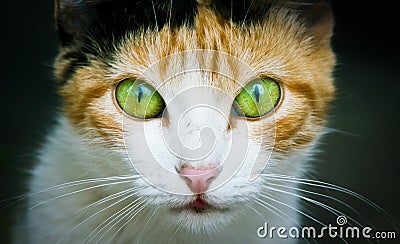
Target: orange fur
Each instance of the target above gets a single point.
(280, 47)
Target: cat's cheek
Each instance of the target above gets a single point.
(297, 121)
(150, 157)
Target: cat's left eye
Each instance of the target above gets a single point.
(139, 99)
(257, 98)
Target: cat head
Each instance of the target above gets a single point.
(202, 99)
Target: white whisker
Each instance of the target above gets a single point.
(317, 203)
(108, 198)
(147, 222)
(169, 23)
(245, 16)
(78, 191)
(231, 31)
(333, 130)
(255, 210)
(321, 195)
(270, 197)
(135, 211)
(69, 184)
(132, 193)
(111, 219)
(156, 21)
(325, 185)
(175, 232)
(277, 211)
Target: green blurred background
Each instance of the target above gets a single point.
(361, 155)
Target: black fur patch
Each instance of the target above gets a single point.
(252, 11)
(75, 59)
(242, 11)
(92, 28)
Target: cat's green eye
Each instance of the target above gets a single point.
(257, 98)
(139, 99)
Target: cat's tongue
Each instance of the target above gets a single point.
(199, 203)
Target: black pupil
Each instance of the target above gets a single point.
(140, 94)
(257, 93)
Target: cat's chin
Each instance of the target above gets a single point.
(199, 205)
(198, 216)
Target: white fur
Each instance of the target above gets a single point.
(198, 135)
(67, 157)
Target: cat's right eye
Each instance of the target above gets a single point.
(139, 99)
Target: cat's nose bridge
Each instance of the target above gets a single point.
(197, 125)
(199, 106)
(200, 126)
(193, 124)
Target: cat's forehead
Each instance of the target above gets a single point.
(220, 53)
(148, 31)
(184, 70)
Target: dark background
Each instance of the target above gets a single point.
(362, 155)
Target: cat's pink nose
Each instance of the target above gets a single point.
(198, 180)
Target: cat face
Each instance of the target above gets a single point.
(201, 141)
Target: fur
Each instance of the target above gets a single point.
(95, 139)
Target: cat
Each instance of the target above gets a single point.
(181, 121)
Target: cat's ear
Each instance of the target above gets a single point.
(73, 18)
(319, 19)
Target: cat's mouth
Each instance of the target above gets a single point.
(200, 205)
